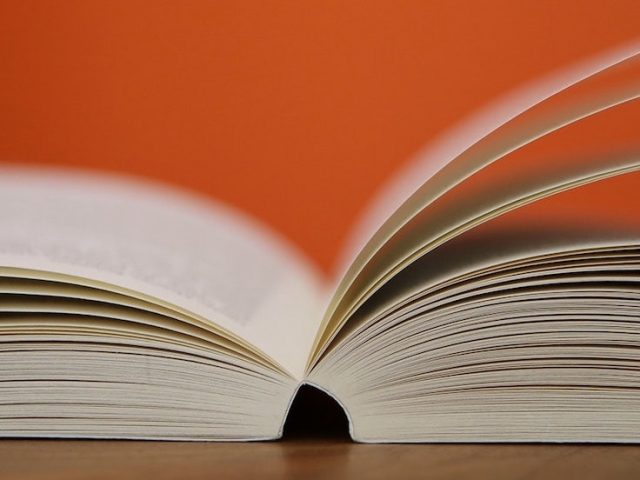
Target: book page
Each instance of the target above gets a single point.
(506, 129)
(581, 224)
(168, 245)
(460, 138)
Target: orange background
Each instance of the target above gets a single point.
(293, 111)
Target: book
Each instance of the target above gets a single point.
(490, 293)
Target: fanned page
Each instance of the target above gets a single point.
(522, 329)
(402, 226)
(487, 305)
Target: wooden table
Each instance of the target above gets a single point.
(309, 459)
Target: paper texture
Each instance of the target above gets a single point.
(197, 255)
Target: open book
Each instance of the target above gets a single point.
(491, 293)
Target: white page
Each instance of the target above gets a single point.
(198, 255)
(415, 188)
(437, 155)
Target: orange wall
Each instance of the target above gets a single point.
(293, 111)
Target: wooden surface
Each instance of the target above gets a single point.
(309, 459)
